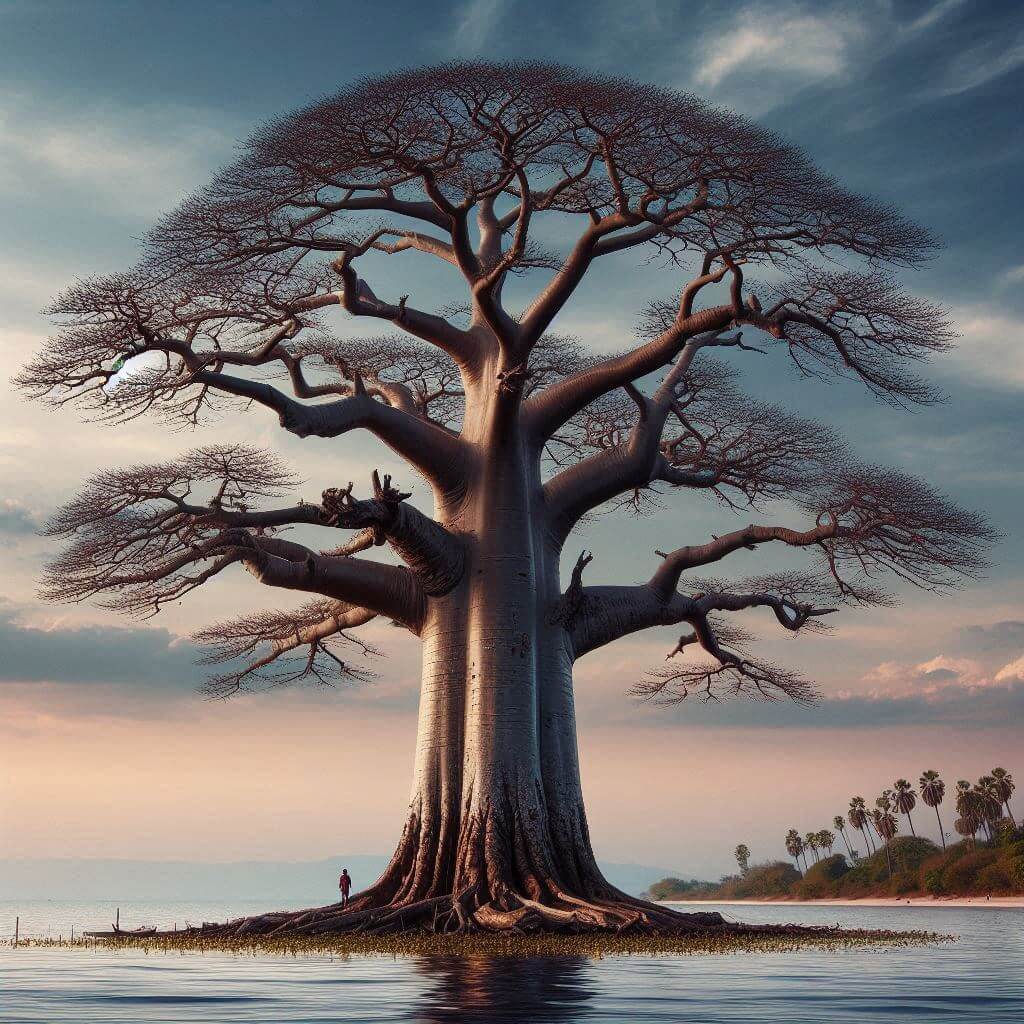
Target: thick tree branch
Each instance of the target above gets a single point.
(545, 412)
(435, 452)
(604, 236)
(387, 590)
(434, 555)
(675, 563)
(358, 299)
(608, 613)
(638, 462)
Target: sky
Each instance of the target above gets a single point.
(111, 112)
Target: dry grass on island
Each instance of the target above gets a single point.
(738, 940)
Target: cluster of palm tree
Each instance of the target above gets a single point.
(979, 807)
(797, 845)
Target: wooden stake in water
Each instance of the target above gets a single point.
(17, 922)
(117, 920)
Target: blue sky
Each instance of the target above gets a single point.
(110, 112)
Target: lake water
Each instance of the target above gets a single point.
(978, 978)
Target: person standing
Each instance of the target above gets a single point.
(345, 885)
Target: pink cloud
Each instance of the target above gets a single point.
(1014, 670)
(936, 675)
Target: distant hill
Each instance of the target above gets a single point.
(299, 882)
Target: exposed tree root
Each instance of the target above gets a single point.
(500, 872)
(457, 914)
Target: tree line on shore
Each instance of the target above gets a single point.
(979, 808)
(889, 863)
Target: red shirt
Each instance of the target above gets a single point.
(345, 883)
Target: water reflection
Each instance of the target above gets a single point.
(478, 989)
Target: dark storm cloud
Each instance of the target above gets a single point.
(979, 708)
(1005, 637)
(145, 658)
(154, 664)
(136, 668)
(16, 521)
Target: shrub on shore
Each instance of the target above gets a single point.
(919, 867)
(762, 881)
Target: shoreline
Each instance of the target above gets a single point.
(995, 902)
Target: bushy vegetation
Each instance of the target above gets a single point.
(919, 868)
(819, 880)
(681, 889)
(762, 881)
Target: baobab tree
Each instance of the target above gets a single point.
(502, 175)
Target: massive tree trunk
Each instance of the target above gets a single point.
(496, 835)
(496, 821)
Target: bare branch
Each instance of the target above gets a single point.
(867, 521)
(142, 537)
(859, 325)
(319, 627)
(697, 431)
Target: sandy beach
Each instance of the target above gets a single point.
(886, 901)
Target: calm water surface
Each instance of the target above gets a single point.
(978, 978)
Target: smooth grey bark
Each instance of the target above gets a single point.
(496, 807)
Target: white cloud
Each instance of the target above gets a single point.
(139, 160)
(933, 15)
(991, 346)
(29, 285)
(1011, 276)
(475, 24)
(982, 64)
(765, 42)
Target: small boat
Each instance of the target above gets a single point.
(121, 933)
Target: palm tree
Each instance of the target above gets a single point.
(794, 846)
(886, 824)
(826, 840)
(742, 855)
(969, 810)
(858, 818)
(933, 789)
(967, 827)
(811, 840)
(990, 805)
(1004, 788)
(904, 800)
(840, 823)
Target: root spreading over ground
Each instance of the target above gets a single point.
(432, 927)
